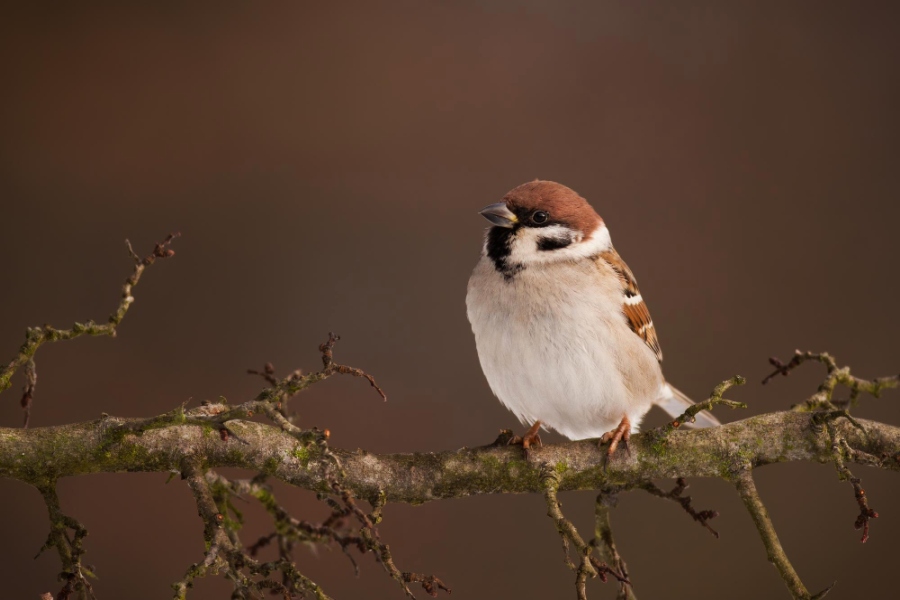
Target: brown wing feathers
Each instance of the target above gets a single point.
(633, 306)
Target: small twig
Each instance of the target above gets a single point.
(838, 447)
(606, 549)
(28, 389)
(296, 382)
(430, 583)
(782, 368)
(823, 399)
(35, 337)
(715, 399)
(74, 574)
(225, 554)
(288, 530)
(371, 539)
(332, 367)
(268, 373)
(746, 487)
(703, 517)
(588, 566)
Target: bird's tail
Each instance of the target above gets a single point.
(675, 403)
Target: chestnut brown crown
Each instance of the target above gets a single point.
(561, 204)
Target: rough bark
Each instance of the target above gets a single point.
(110, 445)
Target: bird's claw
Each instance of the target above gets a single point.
(621, 434)
(530, 438)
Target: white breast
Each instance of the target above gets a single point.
(555, 347)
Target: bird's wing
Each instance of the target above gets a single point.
(633, 306)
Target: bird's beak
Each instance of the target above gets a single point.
(499, 215)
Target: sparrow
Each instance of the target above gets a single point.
(563, 334)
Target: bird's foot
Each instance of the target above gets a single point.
(622, 433)
(530, 438)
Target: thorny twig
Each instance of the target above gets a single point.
(703, 517)
(35, 337)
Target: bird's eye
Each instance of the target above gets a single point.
(539, 217)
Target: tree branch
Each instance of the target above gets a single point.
(41, 455)
(111, 445)
(752, 501)
(217, 434)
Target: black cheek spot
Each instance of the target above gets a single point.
(547, 244)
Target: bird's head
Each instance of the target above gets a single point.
(542, 222)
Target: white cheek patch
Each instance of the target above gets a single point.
(526, 247)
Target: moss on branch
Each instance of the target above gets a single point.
(41, 455)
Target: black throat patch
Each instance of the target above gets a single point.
(499, 247)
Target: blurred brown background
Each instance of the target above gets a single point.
(325, 164)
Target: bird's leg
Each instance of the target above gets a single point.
(622, 433)
(530, 438)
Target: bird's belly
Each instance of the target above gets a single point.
(552, 356)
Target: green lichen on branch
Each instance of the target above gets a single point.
(41, 454)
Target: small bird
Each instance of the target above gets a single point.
(564, 337)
